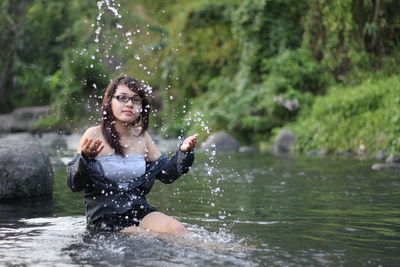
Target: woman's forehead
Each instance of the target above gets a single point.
(123, 89)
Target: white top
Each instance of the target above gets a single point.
(122, 169)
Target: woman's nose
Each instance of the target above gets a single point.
(129, 103)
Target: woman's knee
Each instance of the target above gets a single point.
(176, 227)
(159, 222)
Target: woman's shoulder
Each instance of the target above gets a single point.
(92, 132)
(146, 135)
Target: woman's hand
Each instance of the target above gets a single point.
(91, 149)
(189, 143)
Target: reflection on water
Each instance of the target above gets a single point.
(255, 210)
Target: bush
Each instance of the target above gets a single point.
(350, 117)
(295, 70)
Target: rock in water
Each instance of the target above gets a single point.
(381, 154)
(393, 159)
(222, 141)
(283, 142)
(23, 119)
(25, 169)
(382, 166)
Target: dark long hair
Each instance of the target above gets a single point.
(108, 120)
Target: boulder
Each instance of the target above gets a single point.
(284, 142)
(381, 154)
(23, 119)
(72, 141)
(382, 166)
(247, 149)
(53, 143)
(393, 159)
(166, 145)
(25, 169)
(314, 152)
(221, 141)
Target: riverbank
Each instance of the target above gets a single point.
(61, 147)
(362, 120)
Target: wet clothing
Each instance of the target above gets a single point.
(118, 222)
(121, 203)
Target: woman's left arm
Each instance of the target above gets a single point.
(179, 163)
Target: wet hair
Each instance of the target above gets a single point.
(108, 120)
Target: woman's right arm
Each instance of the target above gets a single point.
(77, 173)
(78, 170)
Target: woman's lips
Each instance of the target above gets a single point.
(128, 112)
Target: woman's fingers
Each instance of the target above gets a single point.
(85, 142)
(92, 148)
(189, 143)
(95, 145)
(193, 140)
(87, 146)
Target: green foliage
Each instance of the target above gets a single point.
(350, 117)
(284, 59)
(292, 78)
(351, 35)
(200, 47)
(295, 70)
(76, 83)
(27, 30)
(246, 66)
(263, 30)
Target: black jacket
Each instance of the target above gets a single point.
(104, 197)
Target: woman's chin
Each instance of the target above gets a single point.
(128, 121)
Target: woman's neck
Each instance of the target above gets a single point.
(124, 129)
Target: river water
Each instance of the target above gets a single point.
(250, 210)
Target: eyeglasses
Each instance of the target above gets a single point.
(123, 98)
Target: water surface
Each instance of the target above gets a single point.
(251, 209)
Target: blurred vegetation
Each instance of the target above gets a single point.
(325, 69)
(358, 119)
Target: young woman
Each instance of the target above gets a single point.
(117, 163)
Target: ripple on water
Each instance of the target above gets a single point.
(39, 241)
(65, 241)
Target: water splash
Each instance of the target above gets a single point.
(196, 120)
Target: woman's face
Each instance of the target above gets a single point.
(126, 105)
